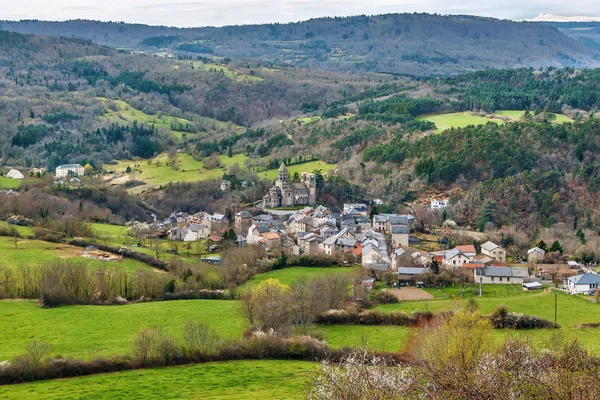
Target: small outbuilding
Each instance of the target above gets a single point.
(532, 286)
(14, 174)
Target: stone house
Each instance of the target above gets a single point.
(494, 251)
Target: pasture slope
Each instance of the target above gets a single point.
(251, 380)
(447, 121)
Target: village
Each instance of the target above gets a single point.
(389, 247)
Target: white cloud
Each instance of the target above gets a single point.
(228, 12)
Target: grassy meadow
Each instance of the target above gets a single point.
(264, 379)
(125, 112)
(290, 274)
(462, 119)
(36, 252)
(571, 312)
(88, 331)
(191, 170)
(457, 120)
(8, 183)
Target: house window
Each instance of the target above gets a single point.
(508, 279)
(454, 262)
(500, 279)
(492, 279)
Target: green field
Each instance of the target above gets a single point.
(463, 119)
(110, 230)
(290, 274)
(8, 183)
(191, 170)
(126, 112)
(36, 252)
(250, 380)
(300, 168)
(380, 338)
(516, 115)
(571, 311)
(457, 120)
(472, 291)
(87, 331)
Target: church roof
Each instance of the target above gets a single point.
(282, 168)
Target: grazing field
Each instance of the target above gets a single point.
(158, 172)
(380, 338)
(264, 379)
(109, 230)
(471, 290)
(36, 252)
(8, 183)
(88, 331)
(457, 120)
(516, 115)
(571, 311)
(125, 112)
(290, 274)
(463, 119)
(300, 168)
(191, 170)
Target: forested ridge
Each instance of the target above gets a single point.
(73, 101)
(411, 43)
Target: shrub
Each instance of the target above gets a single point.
(386, 297)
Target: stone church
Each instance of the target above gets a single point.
(289, 194)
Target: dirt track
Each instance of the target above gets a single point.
(411, 294)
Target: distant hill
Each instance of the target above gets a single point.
(396, 43)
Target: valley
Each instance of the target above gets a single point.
(386, 206)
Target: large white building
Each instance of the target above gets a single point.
(65, 170)
(585, 283)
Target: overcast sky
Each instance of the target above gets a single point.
(229, 12)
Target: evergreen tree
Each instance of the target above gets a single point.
(581, 236)
(556, 246)
(541, 244)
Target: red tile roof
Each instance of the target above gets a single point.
(467, 248)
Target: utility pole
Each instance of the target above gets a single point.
(481, 283)
(353, 296)
(555, 306)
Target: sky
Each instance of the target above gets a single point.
(187, 13)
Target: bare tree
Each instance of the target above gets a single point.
(199, 338)
(37, 350)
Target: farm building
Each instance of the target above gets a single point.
(501, 275)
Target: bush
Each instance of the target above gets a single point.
(386, 297)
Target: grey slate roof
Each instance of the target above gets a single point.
(411, 271)
(400, 229)
(511, 272)
(451, 253)
(489, 246)
(585, 279)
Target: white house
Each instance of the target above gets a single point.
(535, 255)
(439, 204)
(584, 283)
(454, 259)
(500, 275)
(14, 174)
(494, 251)
(64, 170)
